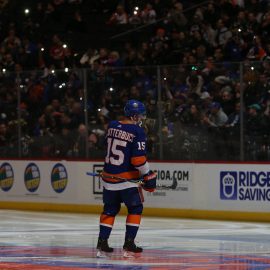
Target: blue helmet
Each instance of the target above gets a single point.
(134, 107)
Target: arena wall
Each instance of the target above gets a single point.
(204, 190)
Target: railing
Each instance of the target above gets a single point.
(64, 113)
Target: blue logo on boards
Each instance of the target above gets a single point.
(228, 185)
(6, 177)
(32, 177)
(59, 178)
(245, 185)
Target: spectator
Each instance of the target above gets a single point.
(227, 100)
(192, 117)
(103, 56)
(58, 52)
(35, 96)
(12, 43)
(76, 116)
(252, 23)
(28, 54)
(265, 25)
(114, 59)
(148, 14)
(195, 84)
(209, 34)
(234, 118)
(160, 40)
(254, 131)
(143, 54)
(177, 17)
(46, 123)
(89, 57)
(218, 55)
(119, 16)
(64, 143)
(132, 58)
(80, 149)
(8, 62)
(253, 121)
(218, 85)
(205, 101)
(223, 33)
(143, 82)
(216, 116)
(205, 38)
(256, 52)
(3, 137)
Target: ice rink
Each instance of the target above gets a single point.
(57, 241)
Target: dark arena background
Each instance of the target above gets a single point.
(202, 70)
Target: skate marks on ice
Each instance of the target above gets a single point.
(56, 241)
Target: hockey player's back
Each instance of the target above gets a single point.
(125, 160)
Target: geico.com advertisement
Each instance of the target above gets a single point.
(243, 187)
(174, 182)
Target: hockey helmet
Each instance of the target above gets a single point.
(134, 107)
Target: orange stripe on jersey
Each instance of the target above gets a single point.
(137, 161)
(107, 220)
(126, 175)
(126, 122)
(134, 220)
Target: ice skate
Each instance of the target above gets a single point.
(130, 249)
(103, 249)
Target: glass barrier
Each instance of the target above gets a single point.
(194, 112)
(256, 97)
(200, 116)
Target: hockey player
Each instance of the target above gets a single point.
(126, 158)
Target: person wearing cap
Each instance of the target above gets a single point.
(253, 121)
(257, 121)
(215, 120)
(205, 101)
(216, 117)
(256, 107)
(254, 130)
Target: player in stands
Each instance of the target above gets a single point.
(126, 158)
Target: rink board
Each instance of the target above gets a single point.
(204, 190)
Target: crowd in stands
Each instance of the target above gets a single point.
(208, 61)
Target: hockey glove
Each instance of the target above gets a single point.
(150, 181)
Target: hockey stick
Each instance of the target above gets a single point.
(137, 181)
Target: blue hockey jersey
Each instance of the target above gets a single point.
(126, 154)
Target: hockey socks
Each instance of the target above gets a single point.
(105, 226)
(132, 225)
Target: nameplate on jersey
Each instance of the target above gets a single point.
(120, 134)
